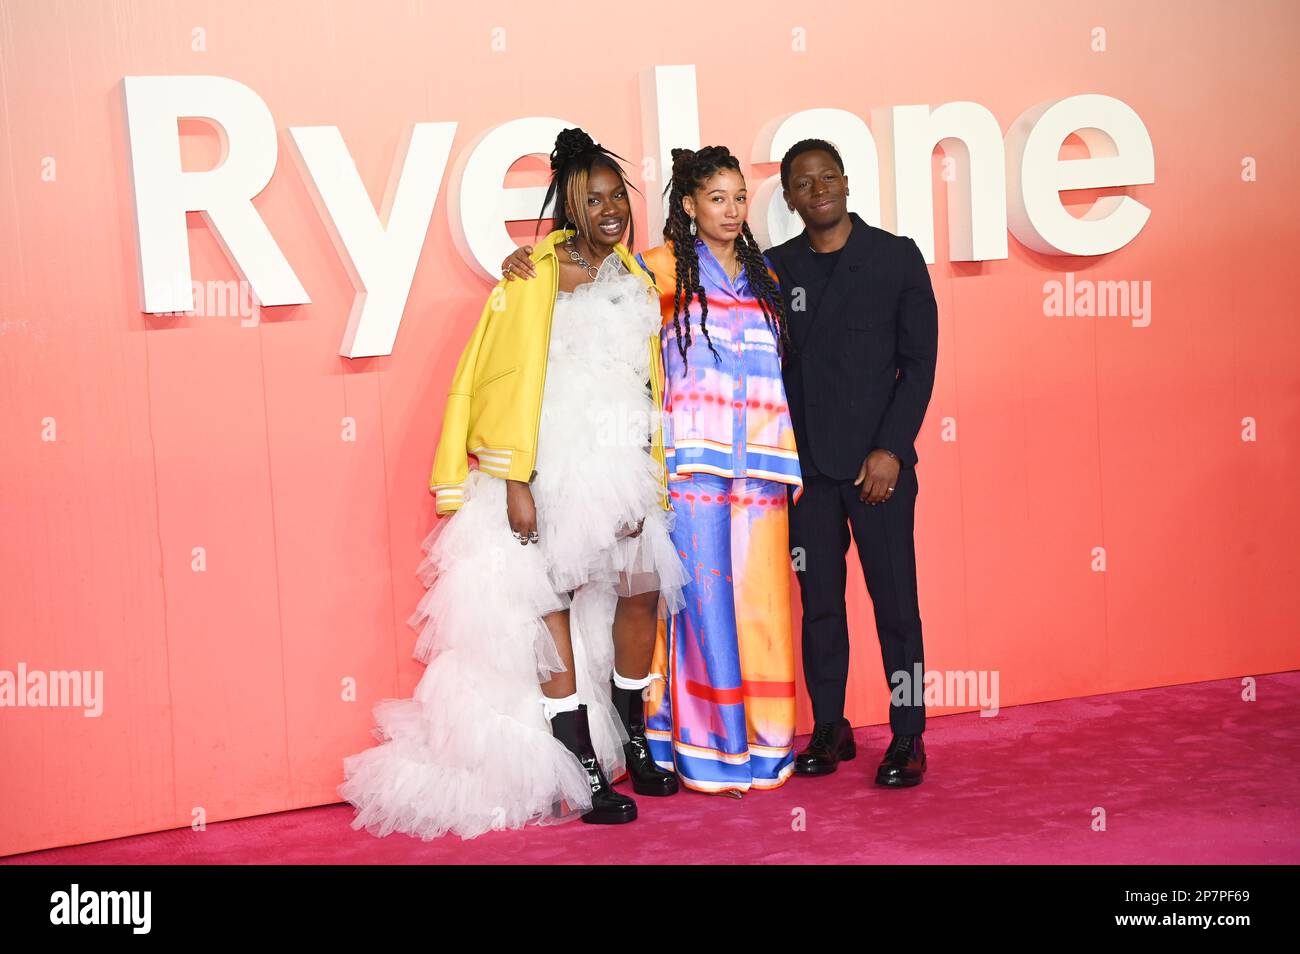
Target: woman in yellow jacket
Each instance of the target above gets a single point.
(545, 582)
(724, 715)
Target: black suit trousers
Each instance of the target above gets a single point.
(820, 524)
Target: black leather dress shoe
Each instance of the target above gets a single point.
(831, 744)
(904, 762)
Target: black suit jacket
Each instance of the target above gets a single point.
(861, 370)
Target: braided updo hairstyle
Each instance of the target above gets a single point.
(691, 169)
(575, 155)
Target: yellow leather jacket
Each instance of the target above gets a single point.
(495, 403)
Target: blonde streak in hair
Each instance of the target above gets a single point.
(577, 199)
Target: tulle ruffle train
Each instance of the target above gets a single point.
(472, 750)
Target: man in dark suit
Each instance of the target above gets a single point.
(858, 376)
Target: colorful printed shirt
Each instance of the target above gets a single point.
(726, 415)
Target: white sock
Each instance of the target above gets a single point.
(563, 704)
(623, 682)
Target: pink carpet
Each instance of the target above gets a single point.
(1186, 774)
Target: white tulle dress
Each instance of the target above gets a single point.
(472, 750)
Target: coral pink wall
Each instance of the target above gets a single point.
(131, 440)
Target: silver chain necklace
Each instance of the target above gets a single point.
(572, 249)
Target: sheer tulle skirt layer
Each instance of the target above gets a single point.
(472, 750)
(596, 475)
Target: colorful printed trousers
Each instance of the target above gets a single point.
(723, 715)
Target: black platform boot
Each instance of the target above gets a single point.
(608, 807)
(647, 777)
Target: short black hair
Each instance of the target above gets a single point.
(799, 148)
